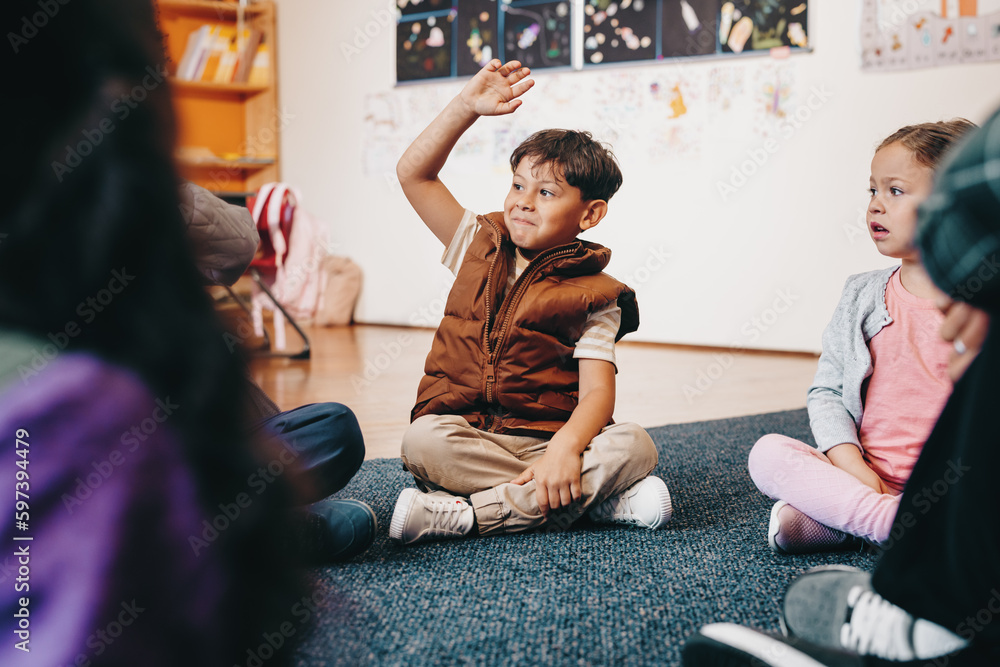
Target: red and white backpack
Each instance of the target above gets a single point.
(296, 260)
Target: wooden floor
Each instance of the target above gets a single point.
(375, 370)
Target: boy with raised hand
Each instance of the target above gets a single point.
(512, 427)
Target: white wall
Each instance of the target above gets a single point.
(784, 241)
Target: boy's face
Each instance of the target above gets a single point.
(899, 183)
(543, 211)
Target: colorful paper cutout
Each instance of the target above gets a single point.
(896, 36)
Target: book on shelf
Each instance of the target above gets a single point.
(218, 47)
(203, 52)
(227, 63)
(193, 52)
(261, 66)
(247, 56)
(217, 54)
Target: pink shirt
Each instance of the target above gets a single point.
(908, 387)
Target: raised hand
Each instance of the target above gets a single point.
(492, 92)
(495, 89)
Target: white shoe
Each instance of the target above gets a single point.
(878, 627)
(646, 503)
(419, 517)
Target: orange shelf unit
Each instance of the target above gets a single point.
(224, 119)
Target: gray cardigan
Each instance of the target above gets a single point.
(835, 399)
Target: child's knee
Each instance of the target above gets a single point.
(427, 437)
(637, 446)
(765, 458)
(646, 448)
(767, 448)
(417, 438)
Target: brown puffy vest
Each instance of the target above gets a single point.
(505, 362)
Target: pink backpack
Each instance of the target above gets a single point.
(296, 261)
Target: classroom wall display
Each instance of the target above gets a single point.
(690, 28)
(424, 47)
(928, 33)
(662, 118)
(454, 38)
(537, 34)
(761, 25)
(476, 28)
(620, 31)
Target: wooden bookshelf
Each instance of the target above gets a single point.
(211, 8)
(219, 121)
(222, 163)
(183, 86)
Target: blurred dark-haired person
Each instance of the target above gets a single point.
(133, 533)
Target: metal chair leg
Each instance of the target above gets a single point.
(305, 352)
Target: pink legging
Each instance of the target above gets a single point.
(790, 470)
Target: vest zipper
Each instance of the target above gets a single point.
(490, 291)
(508, 305)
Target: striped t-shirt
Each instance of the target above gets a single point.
(598, 338)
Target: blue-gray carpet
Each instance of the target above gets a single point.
(595, 595)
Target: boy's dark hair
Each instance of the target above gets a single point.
(929, 141)
(587, 164)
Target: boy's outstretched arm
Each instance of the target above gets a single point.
(494, 91)
(557, 473)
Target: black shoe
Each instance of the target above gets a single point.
(333, 530)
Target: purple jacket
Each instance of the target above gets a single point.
(108, 576)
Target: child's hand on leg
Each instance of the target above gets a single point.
(557, 477)
(848, 458)
(495, 88)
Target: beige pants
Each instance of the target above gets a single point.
(445, 454)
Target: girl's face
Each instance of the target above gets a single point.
(898, 185)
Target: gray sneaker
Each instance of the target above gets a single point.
(646, 503)
(836, 606)
(419, 517)
(790, 531)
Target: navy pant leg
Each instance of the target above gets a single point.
(329, 444)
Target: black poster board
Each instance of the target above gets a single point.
(455, 38)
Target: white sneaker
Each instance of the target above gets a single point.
(878, 627)
(419, 517)
(646, 503)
